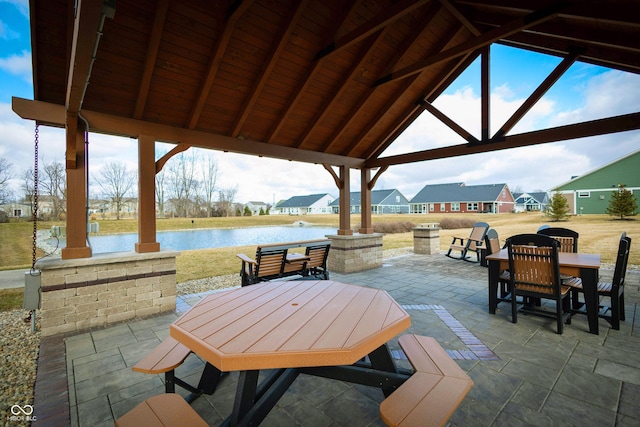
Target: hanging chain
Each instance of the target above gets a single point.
(35, 198)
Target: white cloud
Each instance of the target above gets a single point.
(18, 65)
(21, 5)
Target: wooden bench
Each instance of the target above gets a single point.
(165, 358)
(162, 410)
(431, 395)
(275, 261)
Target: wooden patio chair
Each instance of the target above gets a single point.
(568, 238)
(470, 244)
(535, 274)
(268, 265)
(613, 313)
(492, 245)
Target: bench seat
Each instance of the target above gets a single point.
(167, 356)
(431, 395)
(162, 410)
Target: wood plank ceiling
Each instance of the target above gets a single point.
(326, 81)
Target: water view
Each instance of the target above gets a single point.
(207, 238)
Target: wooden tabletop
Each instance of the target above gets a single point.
(565, 259)
(286, 324)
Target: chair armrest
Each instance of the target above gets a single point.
(246, 259)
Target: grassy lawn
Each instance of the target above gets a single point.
(598, 234)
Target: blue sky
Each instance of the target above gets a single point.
(585, 92)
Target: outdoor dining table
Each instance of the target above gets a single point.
(323, 328)
(584, 266)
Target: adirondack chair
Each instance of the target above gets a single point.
(470, 244)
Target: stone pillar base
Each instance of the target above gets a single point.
(358, 252)
(426, 239)
(86, 292)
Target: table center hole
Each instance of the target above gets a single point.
(295, 304)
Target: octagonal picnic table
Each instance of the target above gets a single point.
(322, 328)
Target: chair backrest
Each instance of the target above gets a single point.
(568, 238)
(476, 238)
(491, 241)
(533, 263)
(317, 255)
(270, 262)
(622, 258)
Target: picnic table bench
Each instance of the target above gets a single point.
(274, 261)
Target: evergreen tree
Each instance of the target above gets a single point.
(622, 203)
(247, 211)
(558, 207)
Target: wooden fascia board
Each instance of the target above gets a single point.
(85, 32)
(122, 126)
(615, 124)
(485, 39)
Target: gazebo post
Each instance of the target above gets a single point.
(345, 202)
(146, 196)
(365, 201)
(76, 192)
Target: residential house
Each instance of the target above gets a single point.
(528, 202)
(590, 193)
(17, 210)
(460, 198)
(382, 202)
(255, 207)
(304, 205)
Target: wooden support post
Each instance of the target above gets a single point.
(345, 203)
(146, 196)
(76, 193)
(365, 202)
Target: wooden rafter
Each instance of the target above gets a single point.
(401, 50)
(304, 83)
(215, 60)
(485, 39)
(609, 125)
(382, 20)
(256, 90)
(330, 101)
(537, 94)
(152, 53)
(449, 122)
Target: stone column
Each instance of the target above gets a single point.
(426, 239)
(359, 252)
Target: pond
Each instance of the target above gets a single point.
(206, 238)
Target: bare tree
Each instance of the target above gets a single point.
(209, 179)
(181, 178)
(5, 176)
(116, 183)
(226, 197)
(54, 185)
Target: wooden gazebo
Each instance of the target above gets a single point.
(332, 82)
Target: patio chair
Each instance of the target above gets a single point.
(568, 238)
(535, 274)
(492, 245)
(473, 243)
(614, 289)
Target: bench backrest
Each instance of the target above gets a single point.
(318, 255)
(270, 262)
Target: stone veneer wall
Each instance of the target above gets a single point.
(359, 252)
(426, 239)
(106, 288)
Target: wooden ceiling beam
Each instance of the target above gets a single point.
(215, 60)
(152, 54)
(537, 94)
(400, 50)
(86, 34)
(274, 55)
(385, 18)
(55, 114)
(306, 80)
(485, 39)
(609, 125)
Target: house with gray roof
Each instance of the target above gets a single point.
(304, 205)
(529, 202)
(382, 202)
(460, 198)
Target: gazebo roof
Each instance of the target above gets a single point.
(330, 81)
